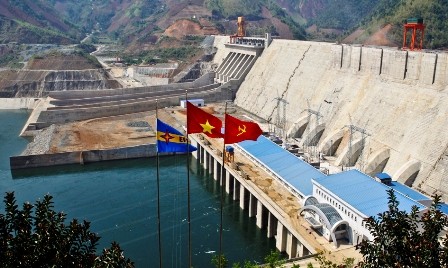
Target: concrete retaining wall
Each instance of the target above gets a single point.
(32, 161)
(204, 80)
(121, 99)
(18, 103)
(399, 97)
(46, 118)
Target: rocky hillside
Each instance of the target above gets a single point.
(54, 72)
(134, 22)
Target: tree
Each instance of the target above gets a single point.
(325, 263)
(41, 239)
(220, 261)
(406, 240)
(274, 259)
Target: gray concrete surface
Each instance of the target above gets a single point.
(400, 98)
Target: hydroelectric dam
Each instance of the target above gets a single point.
(368, 110)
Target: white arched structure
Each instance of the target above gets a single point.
(330, 143)
(407, 172)
(377, 161)
(348, 157)
(298, 128)
(311, 137)
(328, 215)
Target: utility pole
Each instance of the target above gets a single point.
(281, 120)
(354, 129)
(318, 116)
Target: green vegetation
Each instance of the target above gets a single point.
(134, 22)
(87, 48)
(10, 60)
(433, 12)
(348, 15)
(297, 30)
(343, 14)
(272, 260)
(23, 32)
(251, 10)
(234, 8)
(406, 240)
(37, 236)
(161, 55)
(90, 58)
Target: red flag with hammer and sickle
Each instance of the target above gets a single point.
(237, 130)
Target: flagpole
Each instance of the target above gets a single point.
(158, 195)
(188, 192)
(222, 188)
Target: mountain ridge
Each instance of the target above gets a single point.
(133, 22)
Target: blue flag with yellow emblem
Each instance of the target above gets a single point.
(171, 140)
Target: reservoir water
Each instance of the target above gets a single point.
(119, 198)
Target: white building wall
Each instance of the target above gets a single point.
(348, 213)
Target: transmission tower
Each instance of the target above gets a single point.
(281, 120)
(318, 116)
(354, 129)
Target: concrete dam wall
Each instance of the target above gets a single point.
(377, 109)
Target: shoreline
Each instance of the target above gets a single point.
(18, 103)
(82, 157)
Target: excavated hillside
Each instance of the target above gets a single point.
(184, 27)
(54, 73)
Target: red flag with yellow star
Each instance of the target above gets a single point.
(199, 121)
(238, 130)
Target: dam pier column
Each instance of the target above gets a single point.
(300, 248)
(242, 197)
(259, 214)
(212, 164)
(204, 158)
(280, 238)
(291, 245)
(216, 169)
(236, 190)
(252, 205)
(229, 182)
(195, 154)
(208, 163)
(272, 225)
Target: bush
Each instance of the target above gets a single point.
(41, 239)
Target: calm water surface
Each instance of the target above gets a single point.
(119, 198)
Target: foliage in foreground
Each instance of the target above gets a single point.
(272, 260)
(406, 240)
(41, 239)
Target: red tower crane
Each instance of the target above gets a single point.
(418, 32)
(241, 30)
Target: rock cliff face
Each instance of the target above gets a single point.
(37, 83)
(390, 106)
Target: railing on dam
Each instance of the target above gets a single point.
(426, 67)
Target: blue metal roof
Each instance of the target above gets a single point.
(363, 193)
(287, 166)
(382, 176)
(407, 191)
(444, 208)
